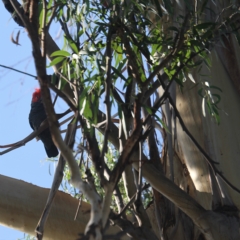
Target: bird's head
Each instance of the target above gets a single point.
(36, 97)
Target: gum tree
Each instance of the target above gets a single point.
(153, 87)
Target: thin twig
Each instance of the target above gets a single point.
(79, 205)
(136, 67)
(139, 192)
(53, 12)
(31, 136)
(107, 93)
(19, 11)
(224, 9)
(65, 78)
(131, 201)
(65, 29)
(61, 94)
(130, 143)
(28, 74)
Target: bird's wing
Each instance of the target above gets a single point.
(31, 125)
(30, 120)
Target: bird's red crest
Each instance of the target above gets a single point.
(36, 95)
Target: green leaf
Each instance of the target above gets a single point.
(196, 45)
(197, 63)
(158, 7)
(148, 109)
(168, 6)
(215, 113)
(80, 33)
(60, 53)
(56, 61)
(123, 121)
(40, 20)
(68, 15)
(205, 25)
(189, 5)
(49, 3)
(218, 98)
(85, 109)
(215, 87)
(54, 79)
(119, 74)
(203, 6)
(60, 13)
(207, 61)
(200, 92)
(179, 82)
(95, 108)
(82, 106)
(88, 111)
(162, 123)
(118, 58)
(236, 33)
(173, 29)
(169, 72)
(119, 111)
(62, 83)
(73, 46)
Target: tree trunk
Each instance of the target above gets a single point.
(21, 206)
(214, 213)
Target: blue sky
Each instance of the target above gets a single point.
(27, 163)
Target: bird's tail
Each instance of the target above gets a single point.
(52, 152)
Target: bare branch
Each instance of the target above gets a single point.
(31, 136)
(130, 143)
(69, 140)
